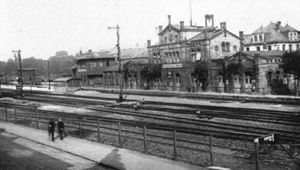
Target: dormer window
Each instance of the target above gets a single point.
(255, 38)
(293, 36)
(260, 37)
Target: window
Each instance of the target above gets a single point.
(260, 37)
(290, 47)
(82, 66)
(176, 38)
(107, 63)
(257, 48)
(269, 47)
(264, 46)
(297, 46)
(255, 38)
(166, 39)
(283, 47)
(247, 49)
(93, 64)
(234, 48)
(216, 48)
(100, 64)
(223, 47)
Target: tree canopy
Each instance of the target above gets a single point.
(201, 73)
(291, 65)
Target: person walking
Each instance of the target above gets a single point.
(61, 128)
(51, 128)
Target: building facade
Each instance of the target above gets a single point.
(90, 66)
(273, 37)
(212, 46)
(172, 52)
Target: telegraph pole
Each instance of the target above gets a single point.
(119, 59)
(20, 75)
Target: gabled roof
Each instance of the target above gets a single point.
(95, 55)
(274, 32)
(288, 28)
(211, 34)
(170, 27)
(185, 28)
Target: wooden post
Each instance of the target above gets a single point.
(120, 139)
(79, 127)
(6, 113)
(145, 140)
(98, 130)
(211, 150)
(175, 147)
(256, 146)
(37, 117)
(15, 114)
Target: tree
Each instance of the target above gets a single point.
(151, 73)
(291, 64)
(201, 73)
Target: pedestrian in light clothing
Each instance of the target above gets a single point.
(51, 128)
(61, 128)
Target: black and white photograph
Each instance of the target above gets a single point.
(149, 85)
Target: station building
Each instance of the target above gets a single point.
(180, 47)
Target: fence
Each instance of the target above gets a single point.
(155, 140)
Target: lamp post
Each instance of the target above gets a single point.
(20, 71)
(119, 59)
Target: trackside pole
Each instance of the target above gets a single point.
(175, 145)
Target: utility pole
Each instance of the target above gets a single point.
(49, 73)
(119, 59)
(20, 75)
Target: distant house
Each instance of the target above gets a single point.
(90, 66)
(273, 37)
(29, 75)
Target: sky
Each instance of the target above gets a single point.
(39, 28)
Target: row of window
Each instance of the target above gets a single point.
(273, 60)
(269, 47)
(94, 64)
(257, 38)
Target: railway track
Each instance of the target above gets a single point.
(220, 129)
(258, 115)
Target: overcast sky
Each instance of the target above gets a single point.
(41, 27)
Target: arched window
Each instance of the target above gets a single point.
(223, 47)
(216, 48)
(227, 46)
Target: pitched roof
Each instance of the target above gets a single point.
(95, 55)
(274, 32)
(265, 53)
(185, 28)
(211, 34)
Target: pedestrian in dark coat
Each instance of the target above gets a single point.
(61, 128)
(51, 128)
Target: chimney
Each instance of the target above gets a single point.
(277, 28)
(223, 25)
(241, 34)
(209, 18)
(148, 43)
(160, 28)
(181, 25)
(169, 19)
